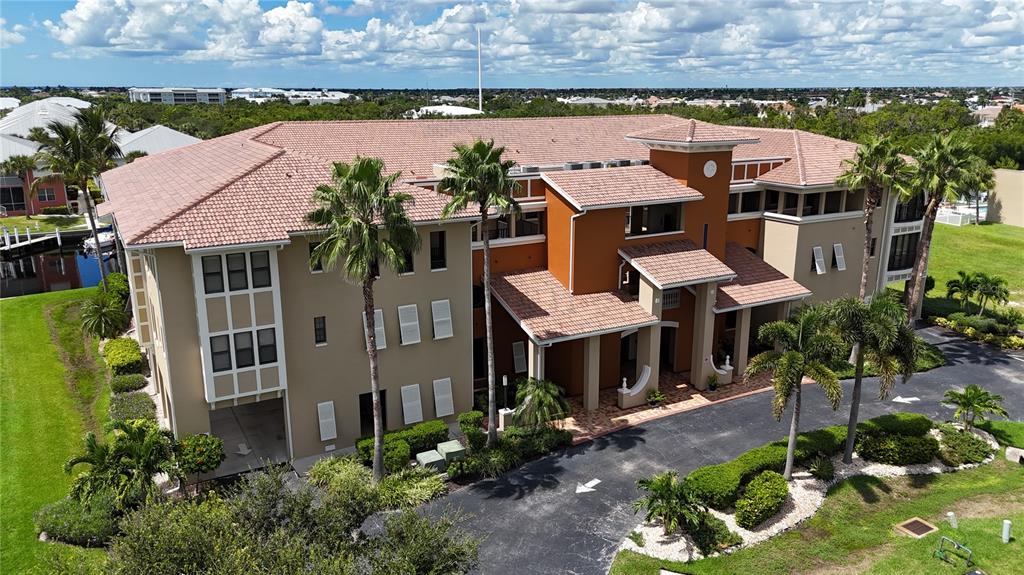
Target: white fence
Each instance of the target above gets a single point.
(954, 218)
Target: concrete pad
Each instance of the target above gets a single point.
(431, 460)
(451, 450)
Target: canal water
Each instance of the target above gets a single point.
(54, 270)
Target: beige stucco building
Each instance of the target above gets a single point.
(1006, 200)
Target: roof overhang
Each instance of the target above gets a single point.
(673, 285)
(580, 208)
(759, 304)
(683, 146)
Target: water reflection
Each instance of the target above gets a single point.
(53, 270)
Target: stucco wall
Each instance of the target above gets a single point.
(1006, 201)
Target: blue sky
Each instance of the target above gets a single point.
(526, 43)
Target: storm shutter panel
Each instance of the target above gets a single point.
(441, 311)
(837, 249)
(519, 356)
(409, 322)
(819, 260)
(443, 402)
(378, 328)
(328, 428)
(412, 407)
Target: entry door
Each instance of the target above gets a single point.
(668, 348)
(366, 412)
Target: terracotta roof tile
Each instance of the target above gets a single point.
(691, 132)
(617, 186)
(547, 311)
(756, 283)
(813, 159)
(676, 263)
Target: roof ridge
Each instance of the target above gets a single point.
(692, 129)
(799, 157)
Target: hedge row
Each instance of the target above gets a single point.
(958, 447)
(898, 449)
(516, 446)
(762, 498)
(124, 356)
(901, 423)
(126, 383)
(419, 438)
(132, 405)
(70, 520)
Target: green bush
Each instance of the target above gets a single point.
(762, 498)
(420, 437)
(471, 419)
(714, 535)
(822, 468)
(470, 467)
(900, 423)
(132, 405)
(959, 447)
(124, 356)
(91, 524)
(898, 449)
(199, 453)
(409, 488)
(536, 442)
(117, 286)
(129, 382)
(396, 455)
(491, 462)
(55, 211)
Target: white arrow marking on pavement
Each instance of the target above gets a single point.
(901, 399)
(587, 487)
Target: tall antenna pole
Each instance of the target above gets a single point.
(479, 74)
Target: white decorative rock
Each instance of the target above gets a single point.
(1015, 454)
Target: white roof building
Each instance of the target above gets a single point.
(9, 103)
(38, 114)
(15, 146)
(260, 95)
(155, 139)
(443, 110)
(178, 95)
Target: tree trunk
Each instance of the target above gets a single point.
(851, 427)
(90, 211)
(794, 427)
(977, 208)
(921, 262)
(492, 405)
(870, 203)
(378, 422)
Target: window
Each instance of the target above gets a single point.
(771, 201)
(519, 356)
(811, 204)
(734, 203)
(408, 324)
(789, 203)
(910, 211)
(328, 425)
(670, 299)
(267, 341)
(238, 276)
(317, 266)
(378, 330)
(438, 251)
(443, 402)
(220, 349)
(705, 244)
(441, 312)
(243, 350)
(46, 195)
(499, 228)
(751, 202)
(412, 407)
(213, 276)
(530, 224)
(854, 200)
(12, 198)
(833, 201)
(818, 263)
(320, 330)
(479, 358)
(366, 412)
(408, 263)
(655, 219)
(874, 242)
(903, 251)
(260, 262)
(838, 257)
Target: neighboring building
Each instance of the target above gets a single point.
(13, 199)
(446, 110)
(644, 244)
(9, 103)
(987, 115)
(1006, 200)
(178, 95)
(155, 139)
(39, 114)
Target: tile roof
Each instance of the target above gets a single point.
(756, 283)
(605, 187)
(813, 159)
(548, 312)
(676, 263)
(691, 132)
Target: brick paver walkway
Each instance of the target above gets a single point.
(679, 397)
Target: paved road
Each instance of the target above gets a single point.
(533, 521)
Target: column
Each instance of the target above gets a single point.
(703, 335)
(648, 353)
(591, 372)
(535, 359)
(742, 343)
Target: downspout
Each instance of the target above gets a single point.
(572, 246)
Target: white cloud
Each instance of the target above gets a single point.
(10, 37)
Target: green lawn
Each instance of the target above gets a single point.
(44, 411)
(1005, 432)
(852, 532)
(46, 223)
(929, 357)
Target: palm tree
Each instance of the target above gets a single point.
(364, 224)
(808, 347)
(78, 152)
(878, 332)
(539, 402)
(946, 169)
(477, 175)
(22, 166)
(670, 500)
(103, 316)
(102, 473)
(985, 181)
(963, 287)
(973, 403)
(876, 169)
(991, 289)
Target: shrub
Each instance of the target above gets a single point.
(900, 423)
(103, 315)
(420, 437)
(471, 420)
(1013, 342)
(56, 211)
(124, 356)
(958, 447)
(714, 535)
(132, 405)
(90, 523)
(536, 442)
(470, 467)
(117, 287)
(199, 453)
(822, 468)
(763, 498)
(898, 449)
(409, 488)
(396, 455)
(476, 439)
(129, 382)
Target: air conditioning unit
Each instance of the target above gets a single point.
(610, 163)
(573, 166)
(622, 162)
(530, 169)
(641, 162)
(592, 165)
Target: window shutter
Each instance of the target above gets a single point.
(443, 402)
(819, 260)
(412, 408)
(328, 428)
(442, 313)
(409, 322)
(519, 356)
(840, 257)
(378, 328)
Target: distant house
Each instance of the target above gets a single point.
(178, 95)
(38, 114)
(12, 186)
(987, 115)
(313, 97)
(1006, 201)
(9, 103)
(155, 139)
(446, 110)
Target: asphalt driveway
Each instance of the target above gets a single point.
(534, 521)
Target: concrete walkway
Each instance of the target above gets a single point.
(533, 521)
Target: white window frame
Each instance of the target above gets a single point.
(837, 250)
(444, 401)
(328, 423)
(408, 323)
(519, 356)
(412, 405)
(819, 260)
(378, 328)
(441, 314)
